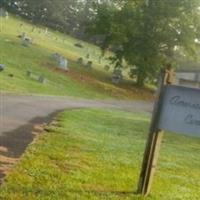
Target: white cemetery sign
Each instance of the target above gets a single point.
(180, 111)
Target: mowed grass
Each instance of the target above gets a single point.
(96, 154)
(78, 82)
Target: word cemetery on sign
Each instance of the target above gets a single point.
(180, 111)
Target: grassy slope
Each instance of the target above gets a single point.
(96, 154)
(78, 82)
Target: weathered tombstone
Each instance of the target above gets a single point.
(80, 61)
(117, 76)
(62, 62)
(2, 67)
(25, 41)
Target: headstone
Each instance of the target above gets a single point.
(63, 64)
(117, 76)
(26, 41)
(2, 67)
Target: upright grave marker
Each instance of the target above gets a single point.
(177, 110)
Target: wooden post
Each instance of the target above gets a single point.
(154, 139)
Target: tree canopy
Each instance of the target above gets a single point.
(69, 16)
(147, 34)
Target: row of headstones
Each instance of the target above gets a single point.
(40, 31)
(117, 76)
(41, 78)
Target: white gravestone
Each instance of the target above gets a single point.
(63, 64)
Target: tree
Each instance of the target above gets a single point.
(147, 34)
(68, 16)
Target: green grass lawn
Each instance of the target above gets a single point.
(79, 82)
(97, 154)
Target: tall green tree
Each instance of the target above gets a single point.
(148, 33)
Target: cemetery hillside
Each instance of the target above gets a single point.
(34, 68)
(99, 99)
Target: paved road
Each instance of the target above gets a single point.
(16, 111)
